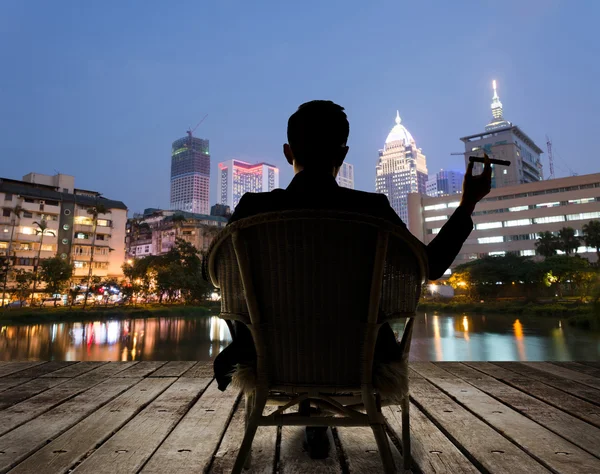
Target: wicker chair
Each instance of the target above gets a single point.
(314, 287)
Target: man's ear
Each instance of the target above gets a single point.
(289, 155)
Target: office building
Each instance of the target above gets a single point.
(345, 177)
(509, 219)
(445, 182)
(401, 169)
(70, 228)
(155, 231)
(190, 175)
(237, 178)
(505, 141)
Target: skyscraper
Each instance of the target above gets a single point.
(445, 182)
(401, 169)
(190, 175)
(345, 177)
(238, 177)
(505, 141)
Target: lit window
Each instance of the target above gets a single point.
(517, 222)
(490, 240)
(436, 230)
(527, 253)
(488, 225)
(27, 231)
(453, 204)
(436, 218)
(497, 254)
(581, 201)
(548, 204)
(548, 220)
(583, 215)
(435, 207)
(518, 208)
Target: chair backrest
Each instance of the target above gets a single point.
(314, 284)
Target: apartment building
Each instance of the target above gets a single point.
(509, 219)
(70, 228)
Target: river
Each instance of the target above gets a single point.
(436, 337)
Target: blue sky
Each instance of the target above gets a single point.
(100, 89)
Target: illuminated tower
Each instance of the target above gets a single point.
(401, 169)
(505, 141)
(238, 177)
(190, 175)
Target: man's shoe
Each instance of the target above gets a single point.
(316, 441)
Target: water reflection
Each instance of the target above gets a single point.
(135, 339)
(435, 337)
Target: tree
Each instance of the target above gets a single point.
(42, 229)
(22, 280)
(591, 236)
(567, 241)
(56, 273)
(558, 270)
(94, 212)
(547, 244)
(6, 261)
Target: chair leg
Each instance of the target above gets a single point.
(251, 427)
(384, 448)
(249, 406)
(404, 406)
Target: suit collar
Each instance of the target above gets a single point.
(309, 180)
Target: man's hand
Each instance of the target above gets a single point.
(475, 188)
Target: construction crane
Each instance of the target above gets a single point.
(192, 130)
(550, 157)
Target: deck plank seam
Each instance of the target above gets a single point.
(504, 435)
(341, 454)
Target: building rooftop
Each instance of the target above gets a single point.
(399, 133)
(42, 191)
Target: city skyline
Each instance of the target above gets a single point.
(115, 94)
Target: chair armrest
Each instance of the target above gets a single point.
(243, 318)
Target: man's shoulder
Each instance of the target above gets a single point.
(363, 196)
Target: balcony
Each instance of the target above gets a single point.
(88, 229)
(86, 257)
(84, 271)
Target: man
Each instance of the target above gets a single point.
(317, 136)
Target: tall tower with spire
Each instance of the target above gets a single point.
(401, 169)
(505, 141)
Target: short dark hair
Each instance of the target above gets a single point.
(316, 131)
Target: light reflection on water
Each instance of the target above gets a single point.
(435, 337)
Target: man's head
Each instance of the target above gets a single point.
(317, 135)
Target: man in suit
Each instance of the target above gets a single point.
(317, 136)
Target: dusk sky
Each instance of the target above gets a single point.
(100, 89)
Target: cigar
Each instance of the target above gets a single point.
(478, 159)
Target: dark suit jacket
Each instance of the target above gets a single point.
(310, 190)
(321, 191)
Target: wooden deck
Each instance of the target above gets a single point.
(169, 417)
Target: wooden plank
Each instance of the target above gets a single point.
(24, 440)
(108, 370)
(263, 446)
(141, 369)
(590, 381)
(41, 369)
(487, 449)
(550, 449)
(132, 445)
(27, 390)
(360, 450)
(22, 412)
(430, 449)
(10, 382)
(590, 363)
(191, 445)
(201, 369)
(579, 367)
(14, 367)
(73, 445)
(557, 398)
(572, 429)
(174, 368)
(571, 387)
(75, 370)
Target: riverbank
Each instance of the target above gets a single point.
(59, 314)
(583, 315)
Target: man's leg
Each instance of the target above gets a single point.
(240, 351)
(316, 441)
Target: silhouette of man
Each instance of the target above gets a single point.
(317, 136)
